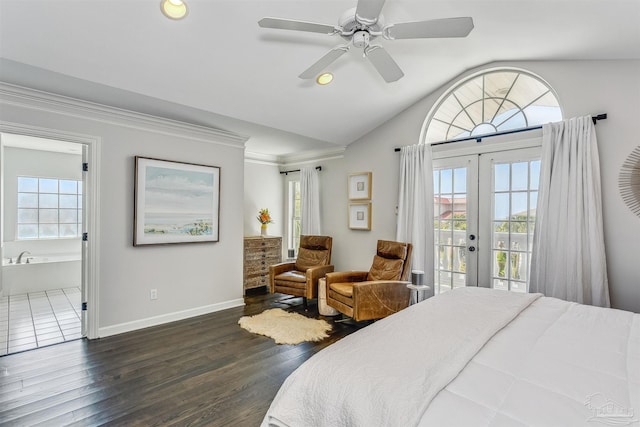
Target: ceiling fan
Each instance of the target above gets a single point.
(363, 24)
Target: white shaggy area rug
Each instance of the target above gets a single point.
(285, 327)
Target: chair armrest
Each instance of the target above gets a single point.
(315, 273)
(282, 267)
(346, 276)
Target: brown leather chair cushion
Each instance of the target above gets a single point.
(308, 258)
(345, 289)
(385, 269)
(292, 276)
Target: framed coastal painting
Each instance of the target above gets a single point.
(360, 216)
(175, 202)
(359, 186)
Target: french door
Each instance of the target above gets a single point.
(484, 214)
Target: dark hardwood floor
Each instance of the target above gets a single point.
(201, 371)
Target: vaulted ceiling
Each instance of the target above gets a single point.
(218, 67)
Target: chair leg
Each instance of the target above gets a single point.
(304, 303)
(345, 319)
(286, 299)
(351, 321)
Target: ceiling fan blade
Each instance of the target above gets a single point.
(367, 11)
(292, 24)
(384, 63)
(436, 28)
(324, 62)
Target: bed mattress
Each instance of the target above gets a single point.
(556, 364)
(475, 357)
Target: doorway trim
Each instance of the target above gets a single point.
(92, 263)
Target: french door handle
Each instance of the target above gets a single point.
(472, 248)
(472, 237)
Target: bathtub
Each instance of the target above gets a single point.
(41, 273)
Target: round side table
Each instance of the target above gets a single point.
(418, 289)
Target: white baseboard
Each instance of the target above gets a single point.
(166, 318)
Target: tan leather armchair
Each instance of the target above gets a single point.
(377, 293)
(300, 277)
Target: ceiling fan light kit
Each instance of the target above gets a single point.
(324, 79)
(361, 25)
(174, 9)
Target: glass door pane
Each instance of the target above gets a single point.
(513, 193)
(454, 220)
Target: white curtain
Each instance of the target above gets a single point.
(415, 207)
(568, 256)
(309, 201)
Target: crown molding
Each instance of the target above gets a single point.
(73, 107)
(312, 156)
(259, 158)
(294, 159)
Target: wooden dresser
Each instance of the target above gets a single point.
(259, 254)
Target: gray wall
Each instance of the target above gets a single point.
(583, 87)
(188, 277)
(263, 189)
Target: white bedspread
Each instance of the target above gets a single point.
(557, 364)
(388, 373)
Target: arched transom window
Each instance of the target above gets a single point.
(495, 101)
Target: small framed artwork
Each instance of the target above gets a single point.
(175, 202)
(360, 216)
(359, 186)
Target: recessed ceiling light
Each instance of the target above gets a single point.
(324, 79)
(174, 9)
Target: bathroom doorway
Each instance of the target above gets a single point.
(43, 285)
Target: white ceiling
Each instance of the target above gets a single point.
(220, 64)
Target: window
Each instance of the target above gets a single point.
(485, 194)
(49, 208)
(484, 214)
(451, 224)
(514, 195)
(294, 227)
(495, 101)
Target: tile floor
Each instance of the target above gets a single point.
(39, 319)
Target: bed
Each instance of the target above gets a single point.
(473, 357)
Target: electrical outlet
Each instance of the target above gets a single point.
(153, 294)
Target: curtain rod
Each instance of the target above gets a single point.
(507, 132)
(298, 170)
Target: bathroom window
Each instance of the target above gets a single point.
(49, 208)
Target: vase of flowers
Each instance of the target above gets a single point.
(264, 217)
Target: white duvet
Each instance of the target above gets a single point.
(475, 357)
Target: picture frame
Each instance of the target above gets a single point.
(360, 216)
(175, 202)
(359, 186)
